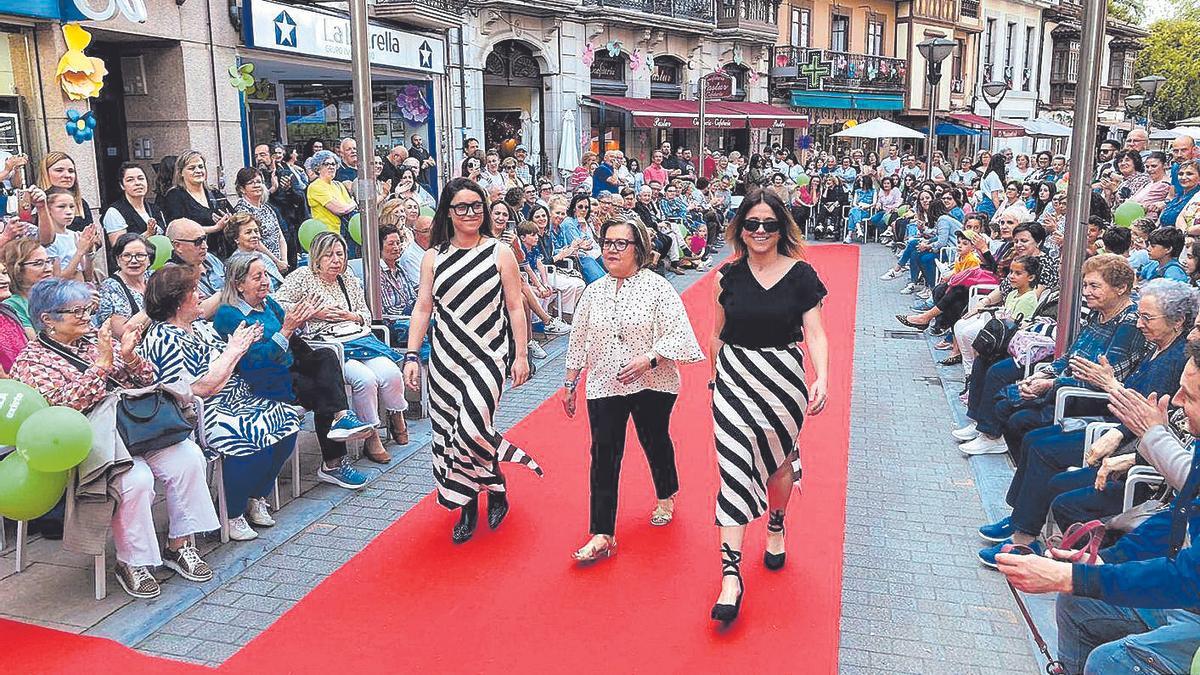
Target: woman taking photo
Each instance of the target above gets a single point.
(473, 283)
(767, 302)
(122, 294)
(29, 263)
(253, 193)
(192, 198)
(130, 212)
(342, 316)
(630, 331)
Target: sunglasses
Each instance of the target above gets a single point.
(769, 226)
(198, 241)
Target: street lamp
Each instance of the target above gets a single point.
(1150, 84)
(935, 50)
(993, 94)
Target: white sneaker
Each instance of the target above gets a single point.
(239, 530)
(891, 274)
(982, 445)
(967, 433)
(924, 294)
(558, 327)
(258, 514)
(535, 350)
(909, 289)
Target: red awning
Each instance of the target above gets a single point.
(655, 113)
(1003, 129)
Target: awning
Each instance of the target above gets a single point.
(1003, 129)
(656, 113)
(1043, 128)
(952, 129)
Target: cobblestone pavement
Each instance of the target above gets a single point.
(914, 597)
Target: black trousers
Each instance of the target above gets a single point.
(319, 386)
(651, 412)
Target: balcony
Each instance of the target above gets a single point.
(1062, 95)
(970, 8)
(826, 70)
(1113, 98)
(748, 20)
(691, 15)
(436, 15)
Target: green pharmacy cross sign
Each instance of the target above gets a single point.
(816, 69)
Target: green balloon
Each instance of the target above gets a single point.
(55, 439)
(903, 211)
(26, 494)
(1125, 214)
(310, 229)
(162, 251)
(355, 229)
(802, 179)
(17, 402)
(426, 211)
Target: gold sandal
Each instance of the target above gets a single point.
(662, 515)
(592, 552)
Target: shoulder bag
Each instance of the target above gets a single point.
(992, 341)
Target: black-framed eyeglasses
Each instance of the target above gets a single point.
(134, 257)
(617, 245)
(198, 241)
(80, 313)
(467, 208)
(769, 226)
(329, 163)
(39, 264)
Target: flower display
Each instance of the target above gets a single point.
(80, 76)
(411, 102)
(242, 77)
(589, 55)
(614, 48)
(81, 126)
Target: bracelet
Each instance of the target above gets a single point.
(571, 385)
(412, 357)
(712, 384)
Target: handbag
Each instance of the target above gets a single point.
(1029, 346)
(992, 341)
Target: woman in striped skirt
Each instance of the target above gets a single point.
(768, 300)
(472, 281)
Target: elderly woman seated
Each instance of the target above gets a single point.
(281, 367)
(27, 263)
(122, 294)
(1166, 310)
(342, 316)
(252, 435)
(245, 238)
(74, 364)
(1011, 406)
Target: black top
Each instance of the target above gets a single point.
(177, 203)
(774, 317)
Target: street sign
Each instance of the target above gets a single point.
(717, 85)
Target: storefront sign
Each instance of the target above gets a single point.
(606, 68)
(717, 85)
(665, 73)
(296, 30)
(133, 10)
(686, 122)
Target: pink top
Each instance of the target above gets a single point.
(1153, 196)
(12, 339)
(654, 173)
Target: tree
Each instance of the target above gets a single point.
(1129, 11)
(1173, 51)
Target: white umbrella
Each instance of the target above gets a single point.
(1164, 135)
(1194, 132)
(879, 128)
(1042, 128)
(568, 147)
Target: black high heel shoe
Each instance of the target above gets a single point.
(774, 561)
(731, 562)
(497, 508)
(464, 529)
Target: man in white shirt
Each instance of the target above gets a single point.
(890, 166)
(490, 176)
(410, 260)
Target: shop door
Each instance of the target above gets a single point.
(264, 124)
(111, 140)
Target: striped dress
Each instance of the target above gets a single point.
(471, 348)
(760, 393)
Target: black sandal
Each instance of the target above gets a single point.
(903, 318)
(951, 360)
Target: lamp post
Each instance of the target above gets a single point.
(1150, 84)
(993, 95)
(1133, 103)
(935, 50)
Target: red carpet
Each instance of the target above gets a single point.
(512, 601)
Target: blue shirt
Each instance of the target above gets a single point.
(265, 365)
(1172, 270)
(1119, 341)
(600, 180)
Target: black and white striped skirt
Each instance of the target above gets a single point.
(758, 408)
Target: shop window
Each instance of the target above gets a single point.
(608, 75)
(512, 64)
(666, 80)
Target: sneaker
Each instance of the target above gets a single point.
(987, 556)
(535, 350)
(924, 294)
(983, 445)
(138, 582)
(998, 531)
(258, 514)
(349, 428)
(240, 530)
(558, 327)
(909, 289)
(891, 274)
(187, 563)
(922, 305)
(967, 433)
(343, 475)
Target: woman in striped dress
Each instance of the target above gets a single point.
(474, 285)
(768, 300)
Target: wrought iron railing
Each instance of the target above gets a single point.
(734, 13)
(695, 10)
(836, 71)
(970, 8)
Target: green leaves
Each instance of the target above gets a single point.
(1173, 51)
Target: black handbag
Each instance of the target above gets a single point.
(992, 341)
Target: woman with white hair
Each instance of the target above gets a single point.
(329, 199)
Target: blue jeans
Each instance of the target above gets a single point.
(254, 475)
(857, 215)
(985, 411)
(1078, 501)
(1096, 638)
(1045, 452)
(926, 266)
(590, 268)
(910, 250)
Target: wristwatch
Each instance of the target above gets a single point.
(653, 362)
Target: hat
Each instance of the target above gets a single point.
(520, 148)
(974, 237)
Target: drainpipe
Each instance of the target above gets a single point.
(212, 66)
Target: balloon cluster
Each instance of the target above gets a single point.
(50, 440)
(310, 228)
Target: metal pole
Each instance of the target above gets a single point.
(1079, 191)
(700, 154)
(992, 130)
(933, 93)
(360, 72)
(1149, 129)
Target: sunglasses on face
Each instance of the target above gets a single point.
(198, 241)
(769, 226)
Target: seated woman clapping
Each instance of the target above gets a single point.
(245, 238)
(73, 364)
(252, 435)
(342, 316)
(281, 367)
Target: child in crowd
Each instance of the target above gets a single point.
(69, 251)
